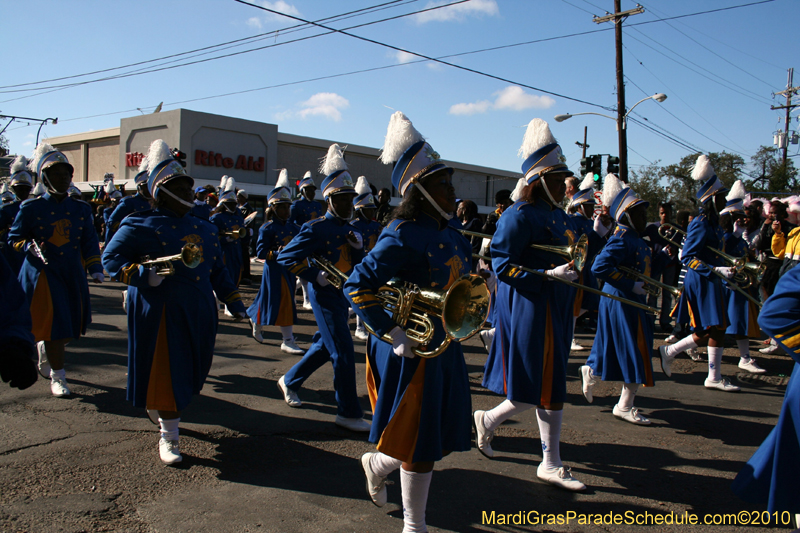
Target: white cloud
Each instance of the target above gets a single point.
(516, 99)
(470, 109)
(405, 57)
(326, 105)
(458, 12)
(512, 97)
(279, 5)
(27, 143)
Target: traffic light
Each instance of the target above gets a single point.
(596, 169)
(613, 165)
(179, 156)
(586, 165)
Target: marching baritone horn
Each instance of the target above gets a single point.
(190, 255)
(462, 309)
(575, 252)
(236, 234)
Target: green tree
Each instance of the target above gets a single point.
(647, 183)
(682, 188)
(769, 174)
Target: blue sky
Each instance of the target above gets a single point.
(719, 71)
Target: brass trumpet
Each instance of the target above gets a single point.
(651, 285)
(236, 234)
(575, 252)
(462, 309)
(190, 255)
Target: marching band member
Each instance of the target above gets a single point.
(55, 285)
(130, 204)
(421, 406)
(248, 215)
(20, 184)
(622, 349)
(528, 359)
(201, 209)
(229, 220)
(365, 224)
(771, 473)
(274, 304)
(742, 313)
(114, 196)
(333, 239)
(17, 367)
(703, 302)
(583, 203)
(172, 321)
(303, 210)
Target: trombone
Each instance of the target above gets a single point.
(748, 273)
(236, 234)
(191, 255)
(644, 307)
(575, 252)
(652, 286)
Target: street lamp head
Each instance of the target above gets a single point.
(660, 97)
(562, 118)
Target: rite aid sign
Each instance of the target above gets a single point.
(209, 159)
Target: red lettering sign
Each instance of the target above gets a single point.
(214, 159)
(133, 159)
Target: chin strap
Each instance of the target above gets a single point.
(50, 188)
(630, 222)
(547, 191)
(166, 191)
(446, 216)
(330, 204)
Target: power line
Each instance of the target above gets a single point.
(290, 29)
(673, 140)
(719, 56)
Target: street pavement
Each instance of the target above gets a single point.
(252, 463)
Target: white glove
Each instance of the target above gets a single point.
(491, 279)
(230, 239)
(728, 272)
(359, 244)
(563, 272)
(401, 344)
(322, 279)
(738, 229)
(600, 228)
(638, 288)
(153, 278)
(98, 277)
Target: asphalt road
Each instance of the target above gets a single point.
(252, 463)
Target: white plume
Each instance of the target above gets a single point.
(158, 152)
(587, 183)
(40, 189)
(222, 183)
(515, 194)
(362, 185)
(283, 179)
(109, 185)
(400, 135)
(612, 186)
(143, 166)
(307, 174)
(42, 149)
(333, 161)
(702, 169)
(737, 191)
(230, 185)
(537, 136)
(19, 164)
(4, 190)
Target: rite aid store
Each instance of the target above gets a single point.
(251, 152)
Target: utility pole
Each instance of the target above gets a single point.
(618, 17)
(788, 107)
(584, 145)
